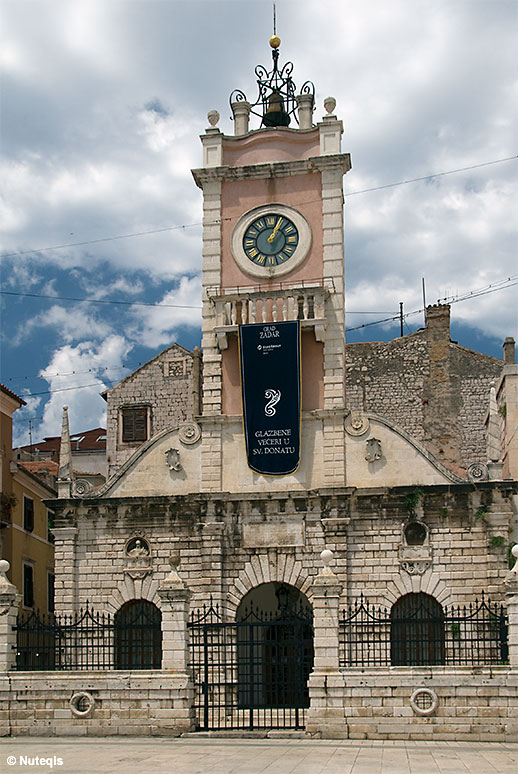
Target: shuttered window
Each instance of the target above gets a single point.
(134, 424)
(28, 585)
(28, 513)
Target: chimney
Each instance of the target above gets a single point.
(509, 354)
(438, 321)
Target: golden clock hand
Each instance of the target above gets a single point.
(275, 230)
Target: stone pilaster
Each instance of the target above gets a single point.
(326, 683)
(241, 113)
(66, 569)
(213, 549)
(9, 600)
(174, 596)
(511, 583)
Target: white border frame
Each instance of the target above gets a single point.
(301, 251)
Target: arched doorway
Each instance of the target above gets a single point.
(138, 635)
(417, 631)
(275, 647)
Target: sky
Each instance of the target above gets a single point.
(102, 105)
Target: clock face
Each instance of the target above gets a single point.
(270, 240)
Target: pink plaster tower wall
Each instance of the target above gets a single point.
(300, 191)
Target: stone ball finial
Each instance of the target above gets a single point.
(213, 117)
(514, 551)
(174, 559)
(330, 104)
(4, 566)
(326, 557)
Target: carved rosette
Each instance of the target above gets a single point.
(356, 423)
(477, 471)
(189, 433)
(81, 487)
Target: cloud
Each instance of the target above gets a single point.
(76, 376)
(103, 107)
(156, 325)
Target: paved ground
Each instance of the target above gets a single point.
(253, 756)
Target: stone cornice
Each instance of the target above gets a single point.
(274, 169)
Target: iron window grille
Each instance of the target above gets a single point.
(132, 639)
(417, 631)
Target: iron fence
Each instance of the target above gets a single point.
(417, 631)
(251, 673)
(88, 640)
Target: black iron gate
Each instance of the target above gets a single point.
(253, 673)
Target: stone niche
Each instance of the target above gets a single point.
(415, 552)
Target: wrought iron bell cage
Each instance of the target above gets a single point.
(276, 103)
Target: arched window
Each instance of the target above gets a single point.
(417, 631)
(138, 636)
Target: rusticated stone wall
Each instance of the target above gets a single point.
(230, 544)
(124, 703)
(382, 704)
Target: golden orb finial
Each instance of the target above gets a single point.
(275, 41)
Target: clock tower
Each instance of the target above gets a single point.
(273, 251)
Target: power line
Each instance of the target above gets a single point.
(221, 220)
(466, 297)
(429, 177)
(100, 301)
(486, 290)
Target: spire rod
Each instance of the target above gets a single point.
(274, 20)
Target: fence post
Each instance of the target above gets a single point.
(9, 600)
(326, 683)
(512, 610)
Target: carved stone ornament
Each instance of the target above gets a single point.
(81, 487)
(138, 557)
(172, 457)
(477, 471)
(356, 423)
(189, 433)
(415, 568)
(374, 451)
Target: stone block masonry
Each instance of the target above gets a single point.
(165, 386)
(434, 389)
(137, 703)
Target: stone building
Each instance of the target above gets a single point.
(295, 559)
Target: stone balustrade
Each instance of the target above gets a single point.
(248, 305)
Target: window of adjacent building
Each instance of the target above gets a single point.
(134, 423)
(28, 513)
(28, 585)
(50, 592)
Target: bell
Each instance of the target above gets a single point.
(275, 114)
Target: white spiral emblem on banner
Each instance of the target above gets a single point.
(274, 397)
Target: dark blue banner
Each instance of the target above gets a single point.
(270, 387)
